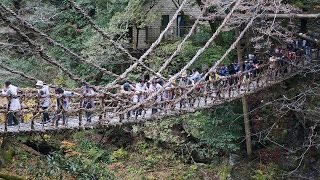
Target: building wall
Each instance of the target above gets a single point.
(163, 7)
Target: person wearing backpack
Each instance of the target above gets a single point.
(63, 105)
(88, 101)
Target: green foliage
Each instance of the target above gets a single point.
(119, 154)
(134, 13)
(115, 17)
(22, 139)
(218, 131)
(213, 53)
(306, 4)
(142, 146)
(82, 158)
(224, 172)
(77, 166)
(6, 156)
(150, 161)
(162, 132)
(265, 173)
(191, 173)
(101, 52)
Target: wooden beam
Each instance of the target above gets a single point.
(270, 16)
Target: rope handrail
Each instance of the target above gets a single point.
(31, 92)
(126, 97)
(113, 107)
(195, 57)
(224, 90)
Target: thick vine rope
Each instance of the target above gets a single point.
(119, 46)
(190, 89)
(199, 52)
(220, 60)
(52, 41)
(108, 38)
(179, 47)
(151, 48)
(7, 68)
(39, 49)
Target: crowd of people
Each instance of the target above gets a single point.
(137, 92)
(62, 103)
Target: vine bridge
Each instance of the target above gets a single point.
(112, 108)
(110, 111)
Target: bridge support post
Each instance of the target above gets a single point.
(246, 119)
(80, 113)
(6, 122)
(247, 126)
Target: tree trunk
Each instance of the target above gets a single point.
(247, 127)
(213, 26)
(244, 102)
(137, 42)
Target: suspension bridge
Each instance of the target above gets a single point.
(113, 112)
(112, 108)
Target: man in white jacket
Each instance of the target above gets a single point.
(14, 105)
(44, 101)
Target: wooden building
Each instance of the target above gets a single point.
(142, 38)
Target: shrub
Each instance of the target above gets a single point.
(118, 155)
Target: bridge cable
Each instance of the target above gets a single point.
(220, 60)
(232, 47)
(119, 46)
(52, 41)
(40, 50)
(179, 47)
(7, 68)
(199, 52)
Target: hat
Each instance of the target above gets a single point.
(126, 86)
(251, 56)
(39, 83)
(272, 58)
(184, 74)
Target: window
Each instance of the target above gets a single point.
(164, 21)
(182, 23)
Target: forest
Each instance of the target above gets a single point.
(269, 134)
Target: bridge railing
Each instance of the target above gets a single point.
(171, 100)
